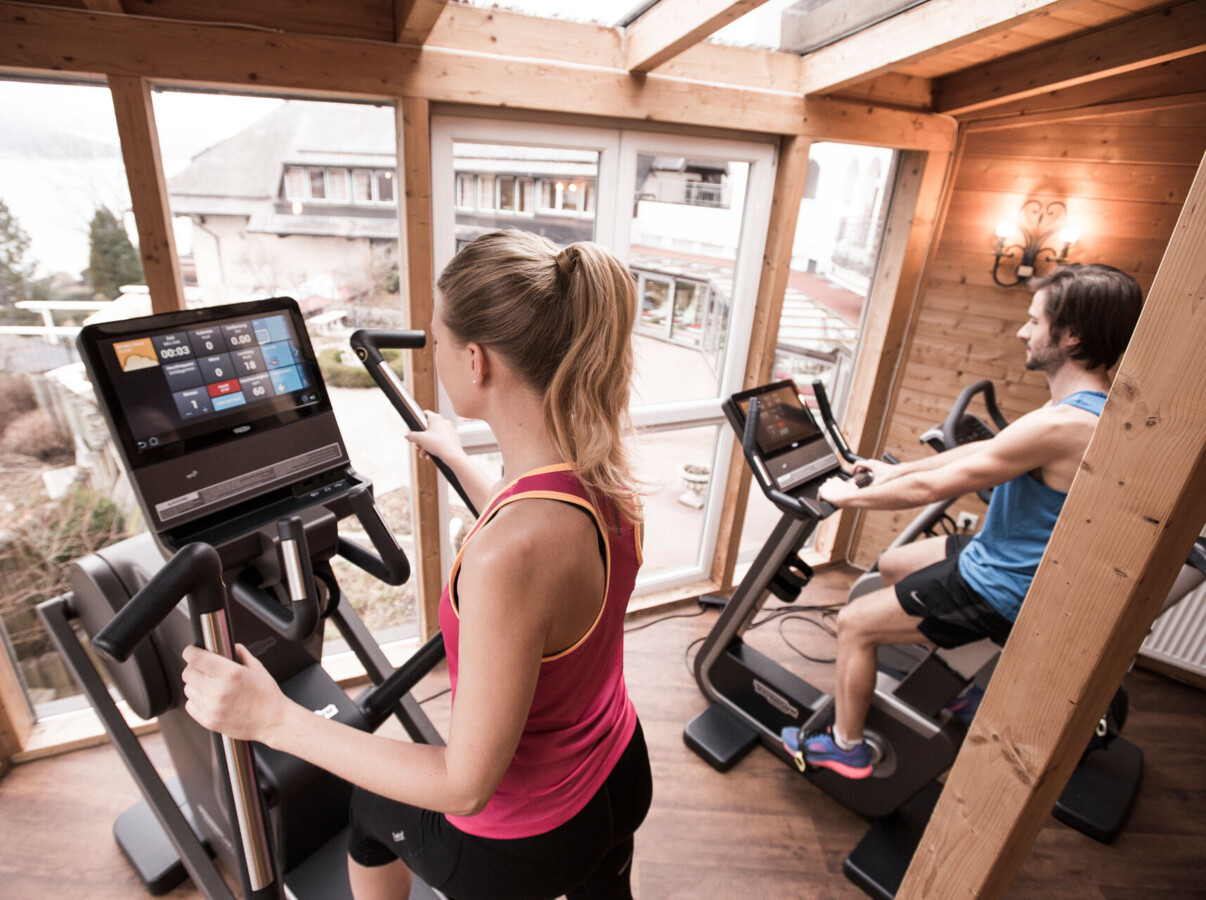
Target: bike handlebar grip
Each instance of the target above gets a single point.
(298, 622)
(955, 416)
(389, 563)
(195, 569)
(839, 440)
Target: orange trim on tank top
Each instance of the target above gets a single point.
(572, 499)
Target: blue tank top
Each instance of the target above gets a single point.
(1001, 560)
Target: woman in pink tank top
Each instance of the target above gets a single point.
(545, 776)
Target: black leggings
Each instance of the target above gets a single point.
(587, 858)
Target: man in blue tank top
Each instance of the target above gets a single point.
(953, 590)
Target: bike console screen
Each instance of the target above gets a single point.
(790, 443)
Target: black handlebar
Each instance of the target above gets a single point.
(299, 621)
(955, 416)
(839, 440)
(368, 346)
(389, 563)
(195, 569)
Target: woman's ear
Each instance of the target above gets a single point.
(479, 361)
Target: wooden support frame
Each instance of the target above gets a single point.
(148, 191)
(790, 178)
(16, 716)
(912, 35)
(1125, 530)
(414, 19)
(195, 54)
(417, 272)
(672, 26)
(917, 205)
(1148, 40)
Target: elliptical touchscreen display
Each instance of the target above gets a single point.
(180, 382)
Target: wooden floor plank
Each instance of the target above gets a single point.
(758, 831)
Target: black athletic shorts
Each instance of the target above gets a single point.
(952, 612)
(590, 856)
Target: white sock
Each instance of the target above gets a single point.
(844, 744)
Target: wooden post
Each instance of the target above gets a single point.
(148, 191)
(1134, 511)
(790, 176)
(416, 273)
(908, 247)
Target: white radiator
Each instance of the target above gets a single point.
(1178, 636)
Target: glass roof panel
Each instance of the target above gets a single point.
(599, 12)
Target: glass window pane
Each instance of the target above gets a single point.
(295, 183)
(362, 182)
(838, 237)
(385, 187)
(465, 191)
(68, 244)
(318, 184)
(340, 262)
(523, 167)
(686, 234)
(337, 185)
(506, 194)
(674, 468)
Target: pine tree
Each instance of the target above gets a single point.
(112, 259)
(14, 243)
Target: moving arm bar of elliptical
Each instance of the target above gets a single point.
(195, 569)
(378, 702)
(298, 622)
(389, 564)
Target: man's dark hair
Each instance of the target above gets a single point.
(1097, 304)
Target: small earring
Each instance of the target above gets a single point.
(475, 381)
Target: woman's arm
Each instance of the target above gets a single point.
(506, 612)
(440, 439)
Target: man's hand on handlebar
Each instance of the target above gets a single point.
(837, 491)
(879, 471)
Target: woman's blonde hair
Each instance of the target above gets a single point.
(562, 319)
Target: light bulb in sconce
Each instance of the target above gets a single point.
(1068, 235)
(1004, 229)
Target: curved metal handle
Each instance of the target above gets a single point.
(300, 620)
(368, 346)
(955, 416)
(389, 563)
(195, 569)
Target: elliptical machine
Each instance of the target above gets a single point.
(233, 451)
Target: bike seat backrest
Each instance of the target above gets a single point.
(969, 659)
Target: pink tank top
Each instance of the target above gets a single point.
(581, 719)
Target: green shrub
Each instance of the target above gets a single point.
(341, 368)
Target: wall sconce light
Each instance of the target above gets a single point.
(1036, 223)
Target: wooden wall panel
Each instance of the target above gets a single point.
(1124, 178)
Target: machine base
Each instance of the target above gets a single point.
(1098, 797)
(146, 845)
(719, 737)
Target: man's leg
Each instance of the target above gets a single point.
(897, 563)
(863, 625)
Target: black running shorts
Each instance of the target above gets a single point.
(952, 613)
(590, 856)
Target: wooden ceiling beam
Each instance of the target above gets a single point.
(672, 26)
(1146, 40)
(915, 34)
(40, 38)
(414, 19)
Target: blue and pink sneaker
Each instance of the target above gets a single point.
(819, 750)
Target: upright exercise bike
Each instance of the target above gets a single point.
(233, 452)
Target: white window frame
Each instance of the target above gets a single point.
(615, 187)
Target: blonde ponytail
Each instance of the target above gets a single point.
(563, 320)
